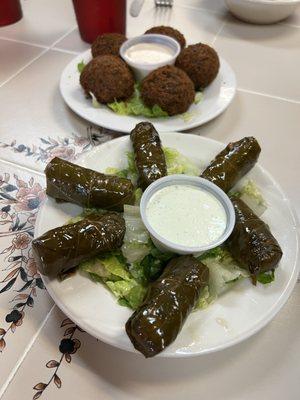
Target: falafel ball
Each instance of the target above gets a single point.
(108, 43)
(170, 88)
(168, 31)
(201, 63)
(108, 78)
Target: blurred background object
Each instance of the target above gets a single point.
(135, 7)
(163, 3)
(10, 12)
(262, 11)
(95, 17)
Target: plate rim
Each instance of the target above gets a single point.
(192, 125)
(256, 328)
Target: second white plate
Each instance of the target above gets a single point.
(235, 316)
(216, 98)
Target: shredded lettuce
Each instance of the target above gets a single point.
(85, 213)
(136, 241)
(80, 66)
(223, 273)
(151, 267)
(135, 106)
(112, 271)
(106, 267)
(138, 195)
(266, 277)
(179, 164)
(198, 97)
(75, 219)
(95, 102)
(132, 171)
(121, 173)
(251, 195)
(129, 293)
(188, 116)
(176, 162)
(115, 267)
(217, 252)
(204, 300)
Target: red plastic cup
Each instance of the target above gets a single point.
(95, 17)
(10, 12)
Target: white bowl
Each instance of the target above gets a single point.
(164, 244)
(140, 69)
(262, 11)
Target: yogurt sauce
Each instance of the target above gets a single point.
(149, 53)
(186, 215)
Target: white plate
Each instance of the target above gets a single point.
(217, 98)
(234, 317)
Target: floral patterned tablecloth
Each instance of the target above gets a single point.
(21, 193)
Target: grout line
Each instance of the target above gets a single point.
(37, 57)
(269, 95)
(63, 36)
(195, 8)
(23, 42)
(219, 31)
(65, 51)
(26, 351)
(27, 169)
(24, 66)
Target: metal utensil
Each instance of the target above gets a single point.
(135, 7)
(163, 3)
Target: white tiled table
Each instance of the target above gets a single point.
(35, 125)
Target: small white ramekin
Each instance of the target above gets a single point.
(262, 11)
(140, 69)
(165, 245)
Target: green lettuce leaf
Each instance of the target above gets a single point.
(112, 272)
(266, 277)
(251, 195)
(106, 267)
(224, 272)
(136, 244)
(135, 106)
(80, 66)
(179, 164)
(198, 97)
(116, 268)
(151, 267)
(122, 173)
(128, 292)
(204, 300)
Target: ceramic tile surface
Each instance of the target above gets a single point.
(44, 118)
(15, 56)
(212, 5)
(73, 42)
(43, 22)
(42, 353)
(265, 60)
(275, 124)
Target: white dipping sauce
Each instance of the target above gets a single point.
(186, 215)
(149, 53)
